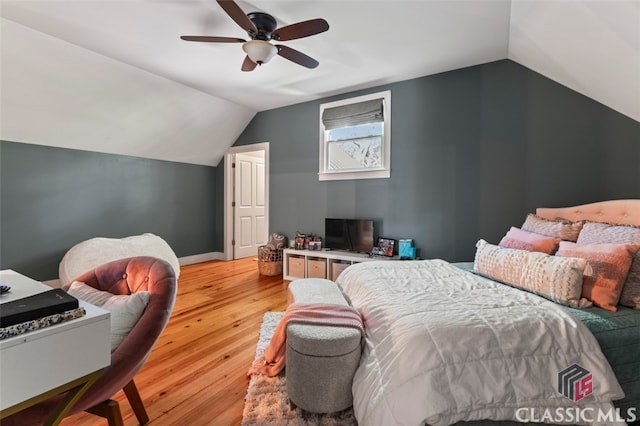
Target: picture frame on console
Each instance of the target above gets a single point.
(384, 247)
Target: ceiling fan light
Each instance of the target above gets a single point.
(259, 51)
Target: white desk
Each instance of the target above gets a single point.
(40, 363)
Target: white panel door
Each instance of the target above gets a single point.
(250, 229)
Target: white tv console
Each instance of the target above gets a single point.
(321, 263)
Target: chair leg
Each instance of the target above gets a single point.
(110, 410)
(131, 391)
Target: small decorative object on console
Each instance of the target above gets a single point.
(315, 245)
(385, 247)
(314, 242)
(406, 250)
(308, 241)
(300, 239)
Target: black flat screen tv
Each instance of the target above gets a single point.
(355, 235)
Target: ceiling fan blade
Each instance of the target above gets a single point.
(248, 64)
(234, 11)
(211, 39)
(295, 56)
(300, 30)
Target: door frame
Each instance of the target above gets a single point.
(228, 191)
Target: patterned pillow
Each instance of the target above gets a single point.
(523, 240)
(555, 278)
(277, 241)
(610, 265)
(567, 231)
(602, 233)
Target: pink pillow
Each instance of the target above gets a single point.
(602, 233)
(610, 265)
(522, 240)
(567, 231)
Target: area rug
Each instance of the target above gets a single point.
(267, 403)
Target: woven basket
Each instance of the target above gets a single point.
(269, 261)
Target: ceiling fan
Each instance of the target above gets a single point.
(262, 28)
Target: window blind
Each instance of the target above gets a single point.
(353, 114)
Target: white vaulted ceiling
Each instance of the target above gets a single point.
(114, 76)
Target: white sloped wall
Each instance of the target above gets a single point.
(56, 93)
(592, 47)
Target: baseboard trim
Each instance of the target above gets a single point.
(198, 258)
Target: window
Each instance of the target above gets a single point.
(355, 138)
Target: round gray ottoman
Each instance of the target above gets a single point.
(321, 360)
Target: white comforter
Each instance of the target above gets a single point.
(444, 345)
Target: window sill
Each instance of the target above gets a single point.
(374, 174)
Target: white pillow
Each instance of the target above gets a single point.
(125, 309)
(556, 278)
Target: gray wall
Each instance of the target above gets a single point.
(53, 198)
(473, 151)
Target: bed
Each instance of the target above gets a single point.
(448, 343)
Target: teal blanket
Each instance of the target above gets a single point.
(619, 336)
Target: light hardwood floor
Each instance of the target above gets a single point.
(196, 374)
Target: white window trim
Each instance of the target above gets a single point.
(364, 173)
